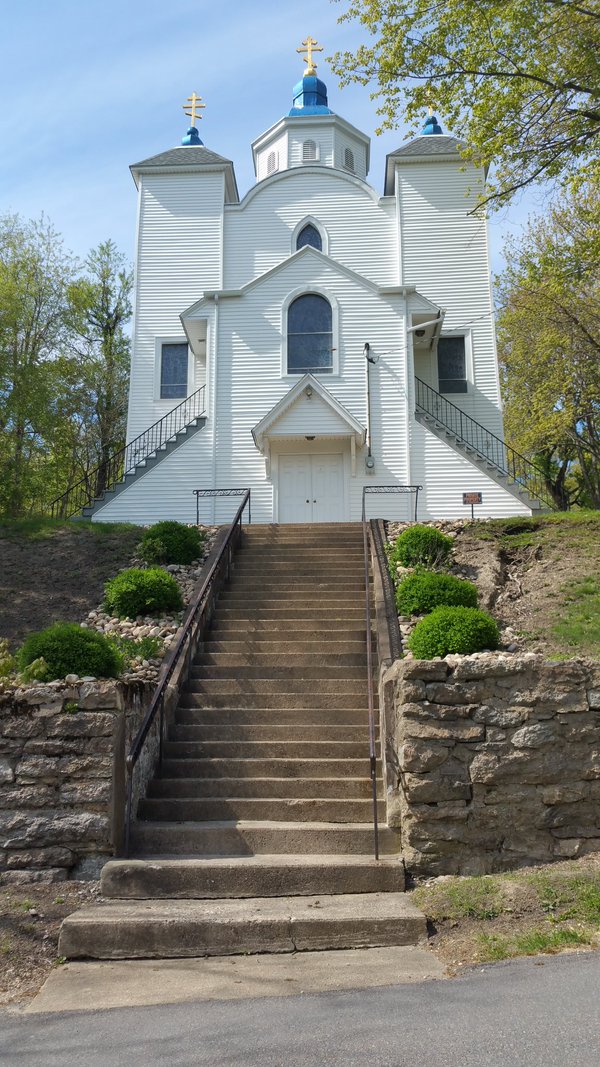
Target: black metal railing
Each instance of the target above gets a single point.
(182, 655)
(123, 461)
(486, 445)
(390, 490)
(377, 534)
(201, 494)
(370, 694)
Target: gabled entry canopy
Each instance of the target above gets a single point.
(308, 411)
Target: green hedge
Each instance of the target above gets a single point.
(171, 542)
(67, 648)
(142, 592)
(420, 546)
(420, 593)
(453, 629)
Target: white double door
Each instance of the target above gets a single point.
(311, 488)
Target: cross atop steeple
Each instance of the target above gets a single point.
(309, 46)
(194, 108)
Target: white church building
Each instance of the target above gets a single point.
(314, 337)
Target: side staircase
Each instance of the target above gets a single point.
(125, 465)
(257, 836)
(489, 453)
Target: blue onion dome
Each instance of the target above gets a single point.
(432, 125)
(192, 136)
(310, 97)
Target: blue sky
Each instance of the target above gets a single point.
(89, 88)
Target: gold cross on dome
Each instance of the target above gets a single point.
(309, 46)
(194, 108)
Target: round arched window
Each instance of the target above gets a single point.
(309, 335)
(309, 235)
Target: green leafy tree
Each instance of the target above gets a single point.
(35, 274)
(100, 312)
(549, 345)
(518, 80)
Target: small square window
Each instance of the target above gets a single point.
(173, 371)
(452, 365)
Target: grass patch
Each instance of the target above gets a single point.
(461, 898)
(569, 897)
(578, 624)
(494, 947)
(42, 527)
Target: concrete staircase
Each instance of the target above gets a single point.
(257, 836)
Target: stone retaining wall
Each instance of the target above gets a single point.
(492, 761)
(62, 776)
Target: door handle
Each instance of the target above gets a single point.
(308, 501)
(314, 501)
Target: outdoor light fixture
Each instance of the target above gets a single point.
(308, 391)
(368, 356)
(369, 463)
(419, 333)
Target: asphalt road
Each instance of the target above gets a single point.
(526, 1013)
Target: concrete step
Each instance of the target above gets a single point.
(226, 622)
(250, 876)
(243, 837)
(296, 684)
(307, 585)
(247, 646)
(336, 788)
(290, 618)
(297, 597)
(178, 762)
(335, 750)
(131, 929)
(197, 697)
(267, 732)
(200, 716)
(277, 668)
(273, 809)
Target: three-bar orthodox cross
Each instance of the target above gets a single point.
(309, 46)
(193, 109)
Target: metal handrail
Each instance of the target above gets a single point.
(100, 479)
(203, 493)
(370, 696)
(387, 490)
(486, 444)
(387, 588)
(184, 647)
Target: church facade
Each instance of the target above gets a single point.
(322, 335)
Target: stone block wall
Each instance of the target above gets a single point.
(62, 776)
(492, 760)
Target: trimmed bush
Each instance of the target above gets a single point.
(66, 648)
(142, 592)
(420, 593)
(171, 542)
(445, 630)
(423, 546)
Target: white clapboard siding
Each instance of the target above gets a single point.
(179, 255)
(445, 476)
(277, 146)
(361, 229)
(321, 134)
(444, 251)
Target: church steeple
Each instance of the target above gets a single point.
(310, 94)
(193, 110)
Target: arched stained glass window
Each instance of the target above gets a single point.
(309, 335)
(309, 235)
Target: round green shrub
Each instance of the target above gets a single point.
(445, 630)
(171, 542)
(142, 592)
(420, 593)
(67, 648)
(420, 546)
